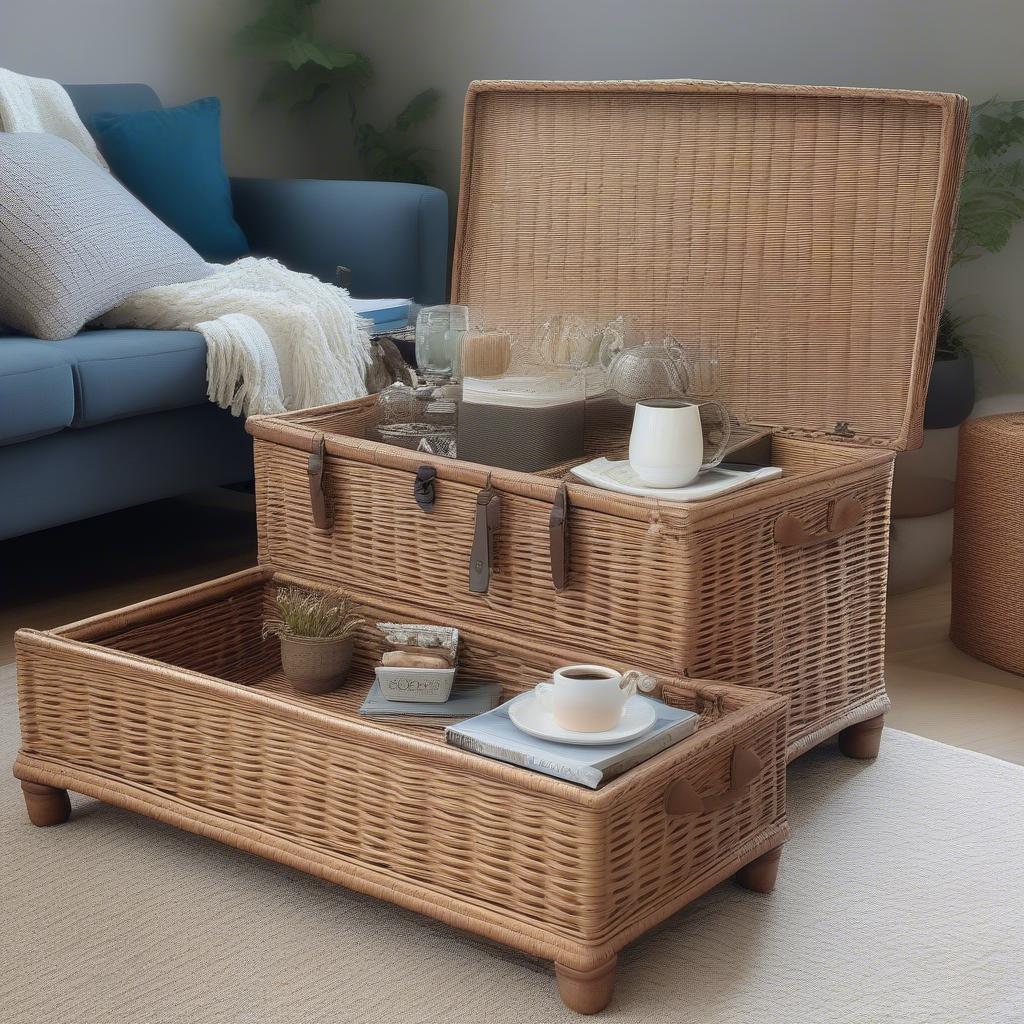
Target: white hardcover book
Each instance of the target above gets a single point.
(493, 735)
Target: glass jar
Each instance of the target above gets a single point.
(439, 332)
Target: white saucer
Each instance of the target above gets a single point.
(527, 714)
(620, 476)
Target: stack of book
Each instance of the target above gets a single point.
(492, 734)
(465, 701)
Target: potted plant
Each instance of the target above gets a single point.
(991, 204)
(306, 65)
(951, 385)
(317, 631)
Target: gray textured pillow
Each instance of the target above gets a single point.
(74, 242)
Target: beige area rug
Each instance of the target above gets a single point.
(901, 899)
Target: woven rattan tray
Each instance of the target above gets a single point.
(177, 708)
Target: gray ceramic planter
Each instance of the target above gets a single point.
(315, 665)
(950, 392)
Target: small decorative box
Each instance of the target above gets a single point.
(423, 685)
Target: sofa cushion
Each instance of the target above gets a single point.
(74, 242)
(171, 160)
(134, 372)
(37, 394)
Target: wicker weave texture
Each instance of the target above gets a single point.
(702, 590)
(988, 542)
(569, 873)
(811, 620)
(804, 231)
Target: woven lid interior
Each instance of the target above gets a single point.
(802, 232)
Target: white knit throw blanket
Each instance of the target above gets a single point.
(39, 105)
(275, 339)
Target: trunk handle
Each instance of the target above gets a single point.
(844, 515)
(317, 497)
(485, 533)
(681, 798)
(558, 530)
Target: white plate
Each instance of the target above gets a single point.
(619, 476)
(527, 714)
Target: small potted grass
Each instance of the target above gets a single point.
(317, 631)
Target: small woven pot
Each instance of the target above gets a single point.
(314, 664)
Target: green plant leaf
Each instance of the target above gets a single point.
(306, 66)
(997, 126)
(285, 32)
(992, 194)
(951, 339)
(281, 21)
(293, 89)
(991, 204)
(421, 107)
(304, 49)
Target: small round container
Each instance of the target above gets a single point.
(316, 664)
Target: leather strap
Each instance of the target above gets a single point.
(843, 515)
(558, 529)
(317, 498)
(682, 799)
(485, 532)
(423, 488)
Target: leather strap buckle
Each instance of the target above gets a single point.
(317, 497)
(558, 530)
(485, 533)
(423, 488)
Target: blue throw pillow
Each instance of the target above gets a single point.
(171, 160)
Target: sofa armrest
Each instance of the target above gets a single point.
(393, 236)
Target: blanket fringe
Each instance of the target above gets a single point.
(276, 340)
(241, 368)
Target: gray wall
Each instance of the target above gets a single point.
(179, 46)
(974, 48)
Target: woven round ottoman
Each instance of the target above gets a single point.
(987, 616)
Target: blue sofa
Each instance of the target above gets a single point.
(110, 419)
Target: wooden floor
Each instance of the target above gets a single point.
(74, 571)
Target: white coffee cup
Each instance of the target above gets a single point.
(666, 446)
(586, 698)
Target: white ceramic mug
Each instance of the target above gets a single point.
(666, 447)
(586, 698)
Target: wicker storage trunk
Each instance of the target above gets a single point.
(176, 708)
(803, 231)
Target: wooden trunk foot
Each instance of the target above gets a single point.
(863, 739)
(46, 805)
(760, 874)
(587, 991)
